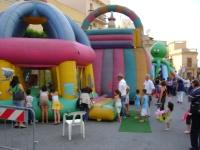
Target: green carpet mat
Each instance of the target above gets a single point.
(130, 124)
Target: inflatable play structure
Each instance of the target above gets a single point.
(160, 66)
(118, 51)
(66, 52)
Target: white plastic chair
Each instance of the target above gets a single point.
(74, 122)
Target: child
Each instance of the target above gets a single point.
(127, 101)
(44, 100)
(167, 115)
(137, 103)
(118, 104)
(56, 106)
(187, 119)
(28, 102)
(85, 101)
(145, 106)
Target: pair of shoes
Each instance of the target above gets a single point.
(187, 132)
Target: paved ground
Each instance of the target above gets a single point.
(102, 136)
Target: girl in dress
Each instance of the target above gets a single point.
(145, 106)
(167, 115)
(118, 104)
(56, 106)
(137, 103)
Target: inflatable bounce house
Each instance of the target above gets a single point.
(160, 66)
(66, 51)
(118, 51)
(67, 54)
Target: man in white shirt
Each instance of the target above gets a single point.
(149, 87)
(122, 88)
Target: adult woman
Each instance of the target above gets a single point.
(163, 94)
(18, 94)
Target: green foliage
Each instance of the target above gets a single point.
(30, 33)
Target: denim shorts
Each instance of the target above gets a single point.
(19, 103)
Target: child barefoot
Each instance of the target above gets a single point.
(137, 103)
(56, 106)
(145, 106)
(118, 104)
(167, 115)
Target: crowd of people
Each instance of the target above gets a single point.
(161, 90)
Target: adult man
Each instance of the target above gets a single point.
(122, 88)
(149, 87)
(194, 97)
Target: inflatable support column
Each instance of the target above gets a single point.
(4, 84)
(68, 79)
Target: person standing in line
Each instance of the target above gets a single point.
(56, 106)
(29, 101)
(44, 103)
(118, 104)
(85, 101)
(18, 94)
(194, 97)
(145, 106)
(149, 87)
(180, 91)
(122, 86)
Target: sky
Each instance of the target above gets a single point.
(169, 20)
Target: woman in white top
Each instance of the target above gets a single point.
(44, 100)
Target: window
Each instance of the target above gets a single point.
(189, 62)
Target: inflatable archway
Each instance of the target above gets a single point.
(118, 51)
(64, 52)
(112, 8)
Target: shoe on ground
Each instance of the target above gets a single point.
(166, 129)
(16, 126)
(22, 126)
(186, 132)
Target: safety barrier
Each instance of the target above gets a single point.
(18, 114)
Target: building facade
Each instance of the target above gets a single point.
(75, 9)
(183, 59)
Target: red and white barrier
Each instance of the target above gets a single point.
(12, 114)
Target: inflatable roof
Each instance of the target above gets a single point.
(16, 19)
